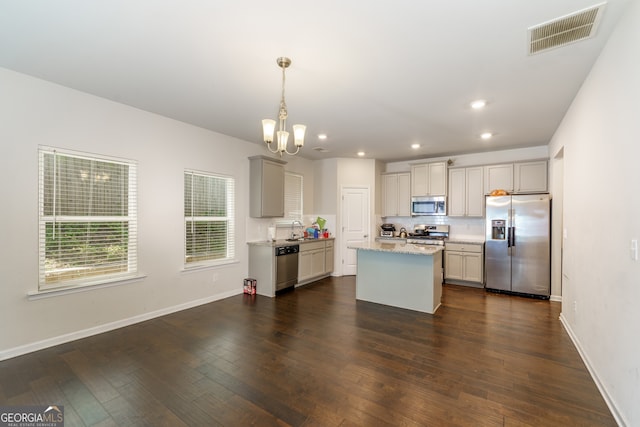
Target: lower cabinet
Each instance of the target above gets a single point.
(464, 264)
(328, 257)
(315, 260)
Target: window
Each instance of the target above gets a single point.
(292, 198)
(87, 220)
(208, 218)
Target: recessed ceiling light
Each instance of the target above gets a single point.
(415, 146)
(486, 135)
(322, 136)
(360, 153)
(478, 104)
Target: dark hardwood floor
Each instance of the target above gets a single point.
(316, 357)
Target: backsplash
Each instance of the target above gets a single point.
(459, 227)
(257, 229)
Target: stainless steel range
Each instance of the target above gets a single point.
(429, 235)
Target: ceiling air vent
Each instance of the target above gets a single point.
(565, 30)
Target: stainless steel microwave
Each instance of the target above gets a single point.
(428, 205)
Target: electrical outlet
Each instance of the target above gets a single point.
(575, 306)
(214, 278)
(634, 249)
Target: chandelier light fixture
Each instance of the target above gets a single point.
(268, 125)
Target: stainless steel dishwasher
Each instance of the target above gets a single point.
(286, 266)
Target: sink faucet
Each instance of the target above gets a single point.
(293, 234)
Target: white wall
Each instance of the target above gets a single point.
(326, 184)
(37, 112)
(600, 135)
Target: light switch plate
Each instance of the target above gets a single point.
(634, 249)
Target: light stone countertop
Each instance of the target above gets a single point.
(284, 242)
(473, 240)
(398, 248)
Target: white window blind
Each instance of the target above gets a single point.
(292, 198)
(87, 220)
(209, 212)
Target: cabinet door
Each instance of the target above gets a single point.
(404, 194)
(304, 265)
(453, 265)
(530, 177)
(328, 260)
(273, 190)
(474, 183)
(472, 267)
(498, 177)
(457, 193)
(266, 188)
(420, 180)
(438, 179)
(317, 262)
(390, 195)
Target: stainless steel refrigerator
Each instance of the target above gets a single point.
(517, 244)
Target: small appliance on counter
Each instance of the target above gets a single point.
(387, 230)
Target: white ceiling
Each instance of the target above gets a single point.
(373, 75)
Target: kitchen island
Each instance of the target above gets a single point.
(400, 275)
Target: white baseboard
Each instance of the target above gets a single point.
(61, 339)
(556, 298)
(603, 391)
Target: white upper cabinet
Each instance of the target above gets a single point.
(530, 177)
(475, 191)
(457, 193)
(429, 179)
(396, 194)
(466, 195)
(498, 177)
(521, 177)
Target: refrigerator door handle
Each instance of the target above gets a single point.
(513, 240)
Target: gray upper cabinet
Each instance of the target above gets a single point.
(267, 187)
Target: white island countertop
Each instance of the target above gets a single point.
(398, 248)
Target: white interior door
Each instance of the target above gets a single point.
(355, 225)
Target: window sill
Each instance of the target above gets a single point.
(49, 293)
(207, 266)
